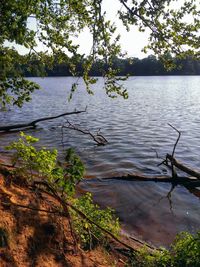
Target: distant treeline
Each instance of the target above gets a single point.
(132, 66)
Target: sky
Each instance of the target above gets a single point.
(132, 42)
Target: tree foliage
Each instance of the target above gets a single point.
(43, 163)
(172, 29)
(174, 25)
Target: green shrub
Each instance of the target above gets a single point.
(43, 162)
(184, 252)
(63, 178)
(89, 233)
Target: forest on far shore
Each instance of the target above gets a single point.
(149, 66)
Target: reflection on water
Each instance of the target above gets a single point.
(136, 130)
(145, 210)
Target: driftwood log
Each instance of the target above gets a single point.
(32, 124)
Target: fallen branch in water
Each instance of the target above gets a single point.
(174, 174)
(182, 167)
(175, 163)
(98, 138)
(190, 182)
(33, 123)
(186, 181)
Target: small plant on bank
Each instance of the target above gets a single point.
(63, 178)
(184, 252)
(30, 160)
(89, 233)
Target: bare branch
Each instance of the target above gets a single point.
(179, 135)
(183, 168)
(98, 138)
(174, 174)
(33, 123)
(189, 181)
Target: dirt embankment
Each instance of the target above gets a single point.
(29, 237)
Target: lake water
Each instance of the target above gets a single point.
(137, 130)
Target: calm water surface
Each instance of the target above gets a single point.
(137, 130)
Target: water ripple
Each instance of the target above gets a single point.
(137, 130)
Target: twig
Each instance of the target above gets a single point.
(176, 143)
(168, 196)
(174, 174)
(142, 243)
(98, 138)
(30, 208)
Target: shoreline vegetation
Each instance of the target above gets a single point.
(149, 66)
(34, 233)
(42, 216)
(45, 224)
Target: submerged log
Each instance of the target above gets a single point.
(190, 183)
(193, 190)
(186, 181)
(33, 123)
